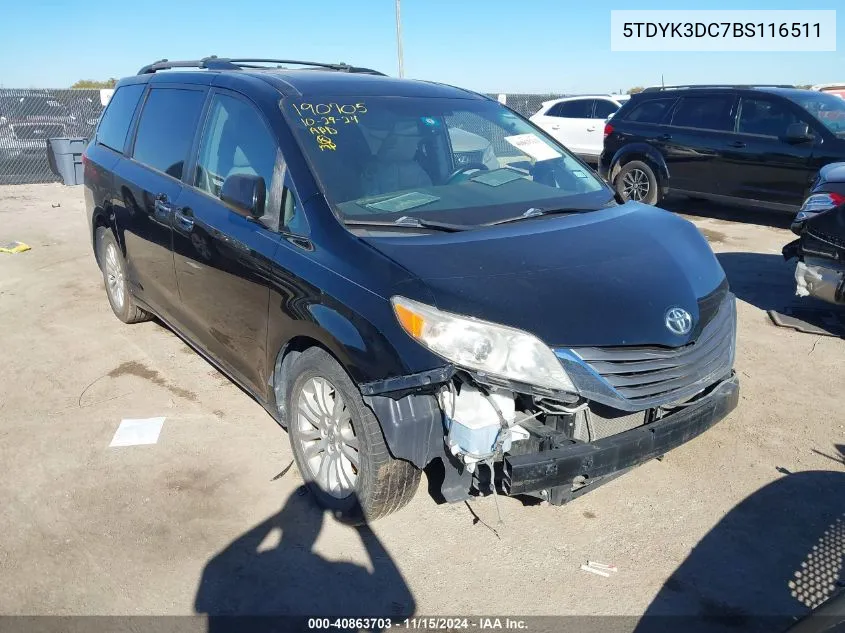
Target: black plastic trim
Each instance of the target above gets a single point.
(412, 426)
(411, 381)
(561, 466)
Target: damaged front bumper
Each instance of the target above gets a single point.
(579, 464)
(554, 464)
(820, 251)
(629, 405)
(825, 282)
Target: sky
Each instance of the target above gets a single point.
(545, 46)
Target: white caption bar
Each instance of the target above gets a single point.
(723, 30)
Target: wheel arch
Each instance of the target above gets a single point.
(284, 360)
(645, 153)
(100, 218)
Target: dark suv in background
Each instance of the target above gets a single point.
(761, 145)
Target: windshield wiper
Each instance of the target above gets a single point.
(413, 223)
(535, 212)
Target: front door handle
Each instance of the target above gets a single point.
(738, 144)
(185, 218)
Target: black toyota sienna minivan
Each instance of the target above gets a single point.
(401, 272)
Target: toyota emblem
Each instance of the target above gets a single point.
(678, 321)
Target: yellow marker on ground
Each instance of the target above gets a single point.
(13, 247)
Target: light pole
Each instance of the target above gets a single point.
(399, 38)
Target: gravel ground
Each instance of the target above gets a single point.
(200, 522)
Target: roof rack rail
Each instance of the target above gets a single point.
(659, 88)
(225, 63)
(585, 94)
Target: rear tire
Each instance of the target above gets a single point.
(113, 267)
(338, 444)
(636, 181)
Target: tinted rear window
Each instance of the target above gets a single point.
(577, 109)
(118, 115)
(705, 112)
(766, 117)
(604, 109)
(166, 129)
(650, 111)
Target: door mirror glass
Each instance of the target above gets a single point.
(797, 133)
(246, 193)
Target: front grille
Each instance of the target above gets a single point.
(38, 131)
(648, 376)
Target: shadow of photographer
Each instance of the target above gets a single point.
(265, 579)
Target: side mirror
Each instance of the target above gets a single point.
(246, 193)
(797, 133)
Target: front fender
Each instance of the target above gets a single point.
(646, 153)
(370, 349)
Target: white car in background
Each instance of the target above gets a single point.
(837, 89)
(578, 122)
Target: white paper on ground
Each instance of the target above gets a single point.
(133, 432)
(533, 145)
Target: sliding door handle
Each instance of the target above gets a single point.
(184, 218)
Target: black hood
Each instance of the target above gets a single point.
(600, 278)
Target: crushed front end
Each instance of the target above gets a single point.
(820, 251)
(626, 405)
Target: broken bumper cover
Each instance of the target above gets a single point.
(823, 282)
(596, 460)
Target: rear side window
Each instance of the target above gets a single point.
(765, 117)
(115, 121)
(577, 109)
(650, 111)
(707, 112)
(604, 109)
(166, 129)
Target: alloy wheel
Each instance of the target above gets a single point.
(326, 438)
(635, 185)
(115, 282)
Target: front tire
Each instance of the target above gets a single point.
(113, 267)
(636, 181)
(338, 444)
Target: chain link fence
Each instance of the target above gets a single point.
(524, 103)
(28, 118)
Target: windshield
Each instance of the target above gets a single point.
(21, 107)
(452, 160)
(827, 108)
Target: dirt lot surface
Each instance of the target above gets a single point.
(200, 522)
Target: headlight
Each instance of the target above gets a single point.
(482, 346)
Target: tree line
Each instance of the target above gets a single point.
(94, 84)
